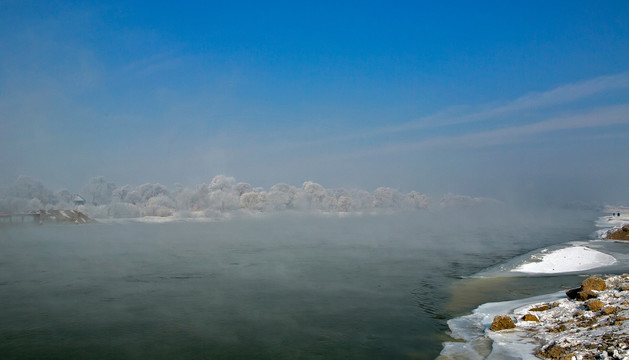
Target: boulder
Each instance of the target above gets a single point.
(588, 289)
(593, 283)
(502, 322)
(554, 351)
(595, 305)
(572, 293)
(608, 310)
(530, 317)
(618, 234)
(541, 308)
(585, 295)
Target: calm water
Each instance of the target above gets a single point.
(283, 287)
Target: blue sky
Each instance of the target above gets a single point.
(478, 98)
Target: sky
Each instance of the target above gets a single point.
(496, 98)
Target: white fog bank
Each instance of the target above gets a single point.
(221, 197)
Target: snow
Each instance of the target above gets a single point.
(604, 336)
(481, 343)
(571, 259)
(586, 333)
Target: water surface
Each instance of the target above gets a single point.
(281, 287)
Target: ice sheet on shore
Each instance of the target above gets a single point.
(579, 330)
(479, 343)
(570, 259)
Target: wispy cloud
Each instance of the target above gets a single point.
(154, 64)
(535, 103)
(596, 118)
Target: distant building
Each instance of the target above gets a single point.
(78, 200)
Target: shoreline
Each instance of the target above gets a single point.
(592, 328)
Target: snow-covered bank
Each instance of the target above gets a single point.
(476, 341)
(571, 259)
(619, 217)
(556, 327)
(567, 329)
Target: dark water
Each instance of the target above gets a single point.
(283, 287)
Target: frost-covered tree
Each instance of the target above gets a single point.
(344, 204)
(120, 194)
(199, 199)
(311, 196)
(98, 191)
(183, 198)
(242, 188)
(415, 200)
(315, 190)
(252, 201)
(159, 205)
(222, 200)
(328, 203)
(387, 198)
(222, 182)
(122, 210)
(362, 199)
(148, 191)
(221, 195)
(27, 188)
(63, 199)
(281, 197)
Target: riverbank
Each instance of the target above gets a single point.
(554, 325)
(592, 325)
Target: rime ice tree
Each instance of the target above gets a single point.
(242, 188)
(98, 191)
(281, 196)
(26, 188)
(313, 195)
(252, 201)
(63, 198)
(387, 198)
(415, 200)
(159, 205)
(147, 191)
(344, 203)
(222, 182)
(121, 193)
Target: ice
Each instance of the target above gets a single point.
(480, 343)
(570, 259)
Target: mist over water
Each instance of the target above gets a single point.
(279, 286)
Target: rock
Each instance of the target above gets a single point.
(530, 317)
(586, 291)
(541, 308)
(502, 322)
(586, 295)
(618, 234)
(609, 310)
(593, 283)
(555, 351)
(572, 293)
(595, 305)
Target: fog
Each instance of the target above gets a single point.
(344, 110)
(221, 196)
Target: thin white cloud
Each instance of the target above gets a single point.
(534, 101)
(154, 64)
(597, 118)
(561, 95)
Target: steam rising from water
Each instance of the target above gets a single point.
(222, 195)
